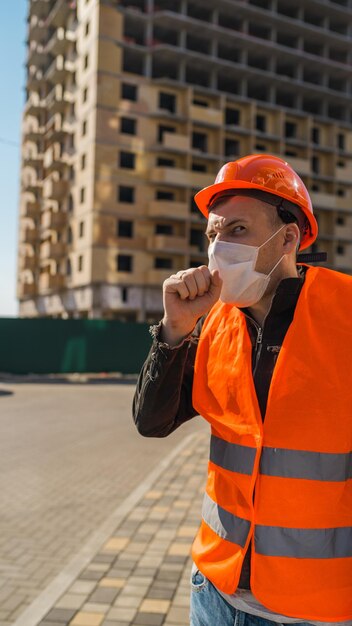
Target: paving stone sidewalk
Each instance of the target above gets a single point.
(140, 575)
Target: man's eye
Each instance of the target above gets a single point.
(238, 229)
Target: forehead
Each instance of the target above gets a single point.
(247, 209)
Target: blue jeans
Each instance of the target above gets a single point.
(208, 608)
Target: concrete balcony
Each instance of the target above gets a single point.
(37, 54)
(169, 19)
(59, 42)
(33, 159)
(34, 105)
(344, 259)
(37, 28)
(157, 277)
(56, 128)
(60, 69)
(27, 290)
(344, 174)
(168, 243)
(51, 250)
(58, 99)
(301, 166)
(206, 115)
(35, 77)
(343, 233)
(53, 158)
(32, 184)
(60, 12)
(198, 251)
(32, 209)
(51, 282)
(32, 131)
(174, 141)
(180, 178)
(55, 189)
(31, 235)
(53, 220)
(56, 281)
(125, 243)
(200, 258)
(40, 7)
(67, 155)
(68, 126)
(28, 262)
(169, 209)
(330, 202)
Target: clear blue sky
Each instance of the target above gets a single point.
(12, 79)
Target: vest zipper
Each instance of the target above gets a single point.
(259, 335)
(258, 343)
(258, 348)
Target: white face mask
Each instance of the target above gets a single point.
(242, 285)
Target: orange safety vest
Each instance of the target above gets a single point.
(285, 483)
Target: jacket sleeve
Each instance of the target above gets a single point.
(163, 396)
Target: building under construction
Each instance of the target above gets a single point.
(133, 105)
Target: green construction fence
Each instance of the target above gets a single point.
(46, 346)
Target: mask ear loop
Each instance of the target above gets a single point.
(263, 244)
(280, 259)
(275, 266)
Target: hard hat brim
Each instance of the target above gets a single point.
(203, 200)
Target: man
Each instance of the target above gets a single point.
(260, 347)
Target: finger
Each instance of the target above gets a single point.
(174, 280)
(205, 271)
(180, 287)
(175, 285)
(191, 284)
(215, 284)
(202, 282)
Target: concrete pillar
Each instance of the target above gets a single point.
(213, 79)
(184, 7)
(148, 37)
(148, 65)
(182, 71)
(299, 71)
(182, 38)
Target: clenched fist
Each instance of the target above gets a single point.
(187, 296)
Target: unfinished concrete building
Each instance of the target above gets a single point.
(134, 105)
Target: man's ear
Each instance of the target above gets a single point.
(292, 238)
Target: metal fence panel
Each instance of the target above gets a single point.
(44, 346)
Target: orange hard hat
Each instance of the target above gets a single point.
(265, 173)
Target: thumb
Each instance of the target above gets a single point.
(215, 284)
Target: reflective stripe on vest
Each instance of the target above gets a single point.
(282, 462)
(232, 456)
(303, 464)
(225, 524)
(304, 543)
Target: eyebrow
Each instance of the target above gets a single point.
(235, 221)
